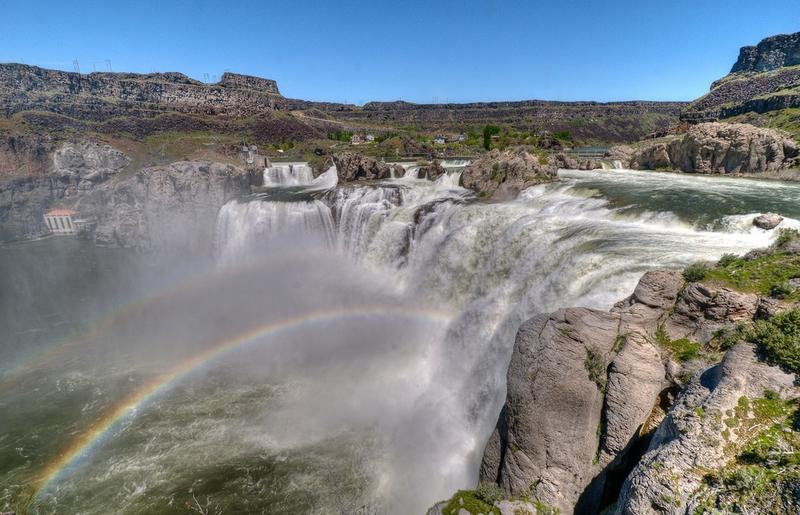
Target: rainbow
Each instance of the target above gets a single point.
(97, 432)
(128, 310)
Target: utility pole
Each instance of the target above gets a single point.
(108, 65)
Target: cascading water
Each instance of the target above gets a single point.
(403, 297)
(288, 174)
(583, 241)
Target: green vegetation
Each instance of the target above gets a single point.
(595, 364)
(564, 136)
(767, 274)
(695, 272)
(488, 132)
(340, 135)
(779, 338)
(766, 465)
(682, 349)
(468, 500)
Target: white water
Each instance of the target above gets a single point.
(288, 174)
(494, 265)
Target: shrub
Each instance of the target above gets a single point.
(695, 272)
(489, 492)
(781, 290)
(596, 366)
(726, 260)
(779, 338)
(488, 132)
(786, 235)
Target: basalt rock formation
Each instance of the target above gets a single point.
(501, 175)
(163, 208)
(590, 392)
(722, 148)
(764, 78)
(356, 167)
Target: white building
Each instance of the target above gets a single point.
(439, 140)
(59, 221)
(370, 138)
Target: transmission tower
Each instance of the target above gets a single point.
(76, 65)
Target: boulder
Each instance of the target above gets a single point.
(703, 309)
(432, 171)
(501, 175)
(355, 167)
(693, 438)
(767, 221)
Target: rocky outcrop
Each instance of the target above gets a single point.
(723, 148)
(356, 167)
(501, 175)
(770, 54)
(172, 207)
(581, 384)
(764, 78)
(88, 162)
(703, 309)
(54, 175)
(694, 436)
(586, 390)
(768, 221)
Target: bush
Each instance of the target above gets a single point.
(488, 132)
(488, 492)
(781, 290)
(779, 338)
(727, 259)
(596, 366)
(695, 272)
(787, 235)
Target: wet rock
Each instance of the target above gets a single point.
(172, 207)
(432, 171)
(355, 167)
(767, 221)
(501, 175)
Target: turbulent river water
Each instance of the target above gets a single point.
(343, 352)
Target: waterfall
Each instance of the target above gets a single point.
(615, 164)
(496, 264)
(288, 174)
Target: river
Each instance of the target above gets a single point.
(342, 352)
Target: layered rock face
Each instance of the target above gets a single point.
(172, 208)
(764, 78)
(770, 53)
(501, 175)
(587, 390)
(24, 85)
(355, 167)
(717, 148)
(62, 174)
(694, 436)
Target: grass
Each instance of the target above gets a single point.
(468, 500)
(681, 349)
(595, 365)
(767, 275)
(779, 338)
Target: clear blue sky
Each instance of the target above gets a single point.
(415, 50)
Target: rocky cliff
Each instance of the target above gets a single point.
(630, 410)
(723, 148)
(764, 78)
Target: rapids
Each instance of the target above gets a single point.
(386, 411)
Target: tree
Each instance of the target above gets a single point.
(488, 132)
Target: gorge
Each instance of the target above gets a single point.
(261, 313)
